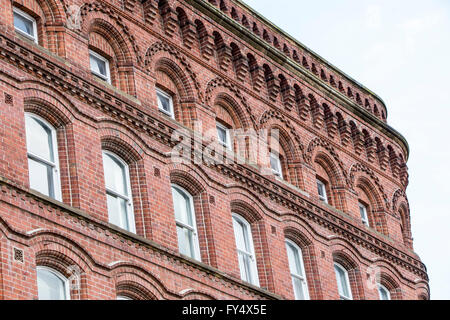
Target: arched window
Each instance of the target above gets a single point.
(165, 102)
(186, 226)
(275, 164)
(52, 285)
(322, 190)
(118, 192)
(297, 269)
(245, 250)
(100, 66)
(42, 150)
(223, 135)
(363, 212)
(343, 282)
(123, 298)
(383, 292)
(25, 24)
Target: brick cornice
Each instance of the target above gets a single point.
(304, 74)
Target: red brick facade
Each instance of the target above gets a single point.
(221, 62)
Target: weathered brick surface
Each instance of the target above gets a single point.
(330, 127)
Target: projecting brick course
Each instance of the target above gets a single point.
(221, 61)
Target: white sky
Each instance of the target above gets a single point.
(400, 50)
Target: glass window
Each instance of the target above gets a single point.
(297, 271)
(25, 24)
(99, 66)
(384, 292)
(223, 135)
(185, 221)
(43, 164)
(52, 285)
(123, 298)
(363, 212)
(343, 282)
(245, 250)
(275, 164)
(118, 192)
(165, 103)
(322, 191)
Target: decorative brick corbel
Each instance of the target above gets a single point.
(358, 143)
(129, 5)
(383, 158)
(189, 34)
(224, 55)
(288, 97)
(207, 47)
(150, 11)
(332, 126)
(241, 68)
(318, 117)
(345, 135)
(170, 22)
(371, 150)
(273, 86)
(304, 108)
(257, 74)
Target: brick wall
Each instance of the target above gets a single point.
(213, 70)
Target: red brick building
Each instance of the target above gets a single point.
(93, 207)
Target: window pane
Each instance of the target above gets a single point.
(294, 260)
(163, 102)
(185, 242)
(341, 278)
(23, 24)
(182, 207)
(240, 231)
(384, 294)
(98, 66)
(41, 177)
(299, 289)
(39, 138)
(245, 265)
(275, 163)
(50, 286)
(115, 175)
(222, 135)
(118, 212)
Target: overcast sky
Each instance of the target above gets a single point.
(400, 50)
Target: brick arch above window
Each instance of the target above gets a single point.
(138, 283)
(219, 87)
(346, 260)
(173, 59)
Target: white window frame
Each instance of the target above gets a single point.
(300, 277)
(122, 297)
(107, 77)
(193, 228)
(347, 282)
(226, 144)
(363, 213)
(128, 198)
(381, 287)
(252, 268)
(55, 165)
(170, 113)
(60, 276)
(277, 172)
(323, 187)
(25, 15)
